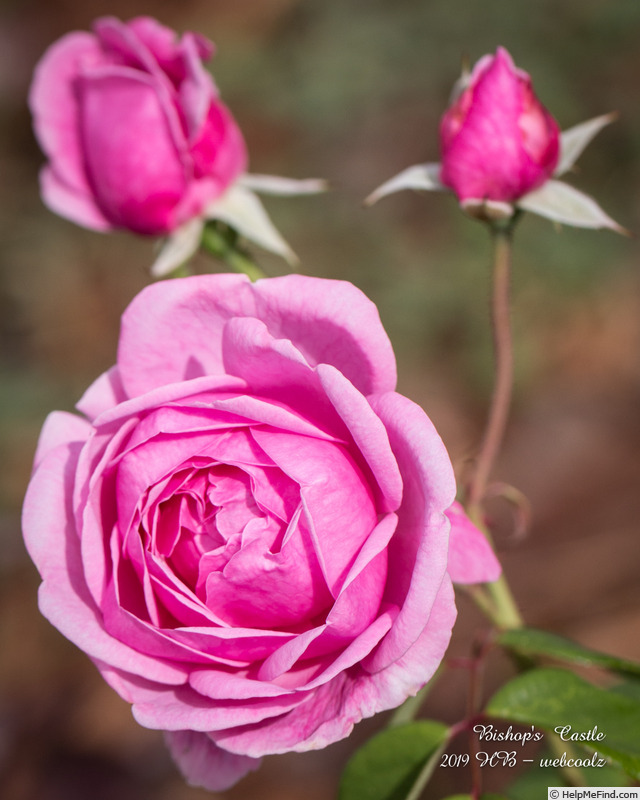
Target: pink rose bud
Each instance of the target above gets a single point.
(134, 131)
(498, 141)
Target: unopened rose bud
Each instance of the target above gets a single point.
(502, 151)
(498, 141)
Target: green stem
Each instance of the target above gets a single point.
(573, 775)
(222, 243)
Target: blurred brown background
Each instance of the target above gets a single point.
(351, 91)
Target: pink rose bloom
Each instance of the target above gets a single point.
(132, 126)
(498, 141)
(248, 532)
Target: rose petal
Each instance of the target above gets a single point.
(64, 600)
(340, 512)
(329, 713)
(368, 432)
(184, 709)
(419, 550)
(205, 764)
(471, 557)
(132, 146)
(54, 105)
(173, 331)
(60, 428)
(329, 322)
(104, 393)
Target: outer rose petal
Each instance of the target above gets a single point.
(173, 331)
(48, 524)
(54, 105)
(60, 428)
(471, 558)
(330, 322)
(205, 764)
(418, 551)
(329, 713)
(77, 205)
(131, 149)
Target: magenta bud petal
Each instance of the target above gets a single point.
(498, 141)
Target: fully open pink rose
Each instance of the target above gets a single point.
(247, 531)
(498, 142)
(133, 128)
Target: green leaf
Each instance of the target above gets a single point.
(532, 642)
(550, 698)
(628, 689)
(390, 764)
(533, 784)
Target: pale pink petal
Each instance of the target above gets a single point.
(104, 393)
(219, 685)
(275, 369)
(60, 428)
(177, 392)
(181, 708)
(265, 589)
(205, 764)
(329, 713)
(471, 557)
(329, 322)
(64, 600)
(368, 432)
(418, 551)
(405, 677)
(172, 331)
(339, 509)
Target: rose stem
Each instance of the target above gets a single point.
(222, 242)
(504, 611)
(503, 354)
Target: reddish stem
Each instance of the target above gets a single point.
(503, 354)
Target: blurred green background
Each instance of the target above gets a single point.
(349, 91)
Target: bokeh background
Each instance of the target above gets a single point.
(351, 91)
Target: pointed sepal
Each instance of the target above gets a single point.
(562, 203)
(283, 187)
(241, 209)
(421, 176)
(178, 248)
(574, 140)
